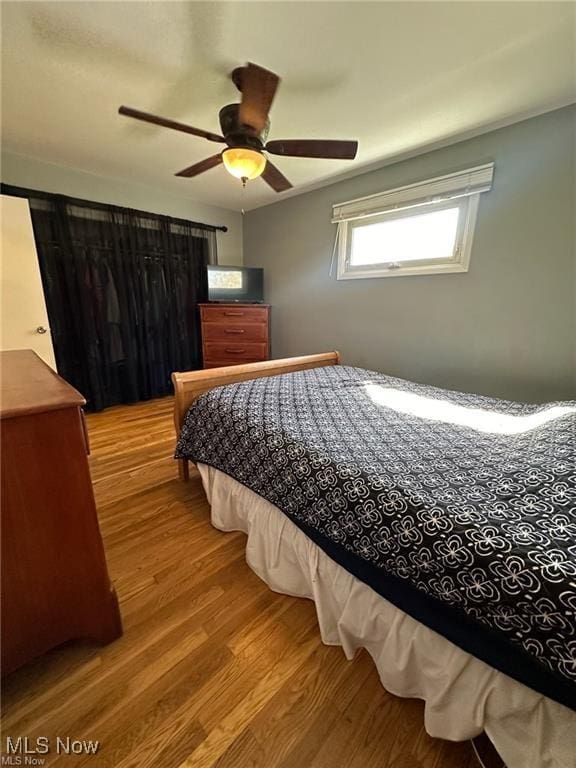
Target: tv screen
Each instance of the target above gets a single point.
(241, 284)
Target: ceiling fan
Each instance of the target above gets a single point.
(245, 129)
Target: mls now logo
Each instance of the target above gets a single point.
(25, 751)
(22, 750)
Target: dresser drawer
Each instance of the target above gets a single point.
(229, 315)
(232, 351)
(235, 332)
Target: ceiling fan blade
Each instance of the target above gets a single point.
(165, 123)
(322, 148)
(275, 179)
(258, 87)
(203, 165)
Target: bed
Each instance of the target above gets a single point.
(436, 529)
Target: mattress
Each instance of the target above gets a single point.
(459, 509)
(462, 695)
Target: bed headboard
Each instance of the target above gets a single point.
(190, 385)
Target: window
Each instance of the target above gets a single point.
(424, 228)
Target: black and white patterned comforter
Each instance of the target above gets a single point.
(460, 509)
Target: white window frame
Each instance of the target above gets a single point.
(462, 190)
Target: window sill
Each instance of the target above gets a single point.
(432, 269)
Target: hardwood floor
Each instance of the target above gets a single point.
(213, 668)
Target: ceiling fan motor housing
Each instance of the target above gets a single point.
(238, 135)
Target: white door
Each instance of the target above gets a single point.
(23, 317)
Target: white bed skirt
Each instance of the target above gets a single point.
(463, 696)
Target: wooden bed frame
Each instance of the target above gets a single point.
(190, 385)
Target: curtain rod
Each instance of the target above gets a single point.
(7, 189)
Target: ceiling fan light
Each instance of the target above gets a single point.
(244, 163)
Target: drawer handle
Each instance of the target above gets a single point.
(235, 351)
(234, 330)
(234, 314)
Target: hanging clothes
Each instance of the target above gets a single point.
(122, 289)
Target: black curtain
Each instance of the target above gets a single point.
(122, 289)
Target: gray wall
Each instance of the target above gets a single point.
(506, 328)
(28, 172)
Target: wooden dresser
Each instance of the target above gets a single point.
(55, 584)
(235, 333)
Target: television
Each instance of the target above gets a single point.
(244, 285)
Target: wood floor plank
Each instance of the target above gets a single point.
(221, 737)
(213, 670)
(222, 692)
(244, 752)
(279, 728)
(353, 733)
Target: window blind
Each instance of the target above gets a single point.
(460, 184)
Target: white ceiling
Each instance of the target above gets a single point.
(396, 76)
